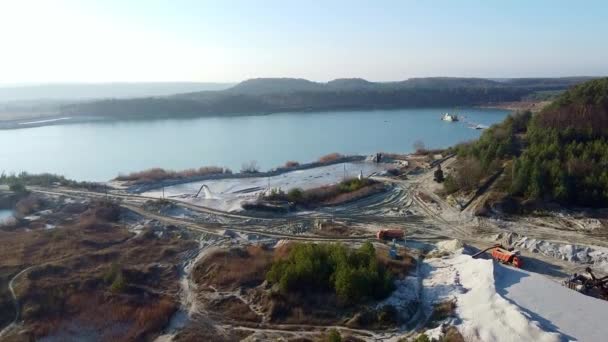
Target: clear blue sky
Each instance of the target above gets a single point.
(227, 41)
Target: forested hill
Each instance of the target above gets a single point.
(268, 95)
(559, 154)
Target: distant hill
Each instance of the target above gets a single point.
(259, 86)
(271, 95)
(88, 91)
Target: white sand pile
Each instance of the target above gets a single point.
(449, 245)
(484, 315)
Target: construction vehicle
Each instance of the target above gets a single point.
(589, 284)
(503, 255)
(389, 234)
(393, 253)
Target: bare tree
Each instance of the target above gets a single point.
(419, 146)
(250, 167)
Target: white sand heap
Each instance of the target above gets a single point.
(500, 303)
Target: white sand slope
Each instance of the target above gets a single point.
(575, 316)
(498, 303)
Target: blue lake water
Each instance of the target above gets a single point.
(99, 151)
(4, 214)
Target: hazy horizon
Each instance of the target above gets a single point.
(69, 41)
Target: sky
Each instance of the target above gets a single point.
(48, 41)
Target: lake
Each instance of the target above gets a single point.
(98, 151)
(5, 214)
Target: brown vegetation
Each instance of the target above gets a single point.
(441, 312)
(233, 308)
(291, 164)
(158, 174)
(230, 269)
(401, 267)
(332, 157)
(71, 281)
(345, 191)
(466, 176)
(28, 205)
(365, 191)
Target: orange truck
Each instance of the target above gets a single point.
(506, 257)
(503, 255)
(389, 234)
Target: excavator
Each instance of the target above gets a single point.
(589, 284)
(503, 255)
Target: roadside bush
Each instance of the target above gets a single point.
(17, 187)
(353, 184)
(320, 195)
(290, 164)
(353, 275)
(334, 336)
(419, 146)
(295, 195)
(158, 174)
(328, 158)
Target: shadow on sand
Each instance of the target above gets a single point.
(504, 278)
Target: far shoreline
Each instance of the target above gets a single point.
(35, 121)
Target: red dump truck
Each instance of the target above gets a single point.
(506, 257)
(389, 234)
(503, 255)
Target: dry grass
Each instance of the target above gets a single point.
(355, 195)
(158, 174)
(28, 205)
(233, 308)
(68, 283)
(234, 268)
(328, 158)
(401, 267)
(442, 311)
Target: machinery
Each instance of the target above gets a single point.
(589, 284)
(390, 234)
(503, 255)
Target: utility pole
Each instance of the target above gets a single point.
(344, 177)
(163, 192)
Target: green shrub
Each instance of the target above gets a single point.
(353, 275)
(115, 278)
(295, 195)
(422, 338)
(334, 336)
(119, 284)
(17, 187)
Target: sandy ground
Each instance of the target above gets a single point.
(494, 303)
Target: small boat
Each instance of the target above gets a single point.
(478, 126)
(449, 117)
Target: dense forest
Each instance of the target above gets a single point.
(287, 94)
(559, 154)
